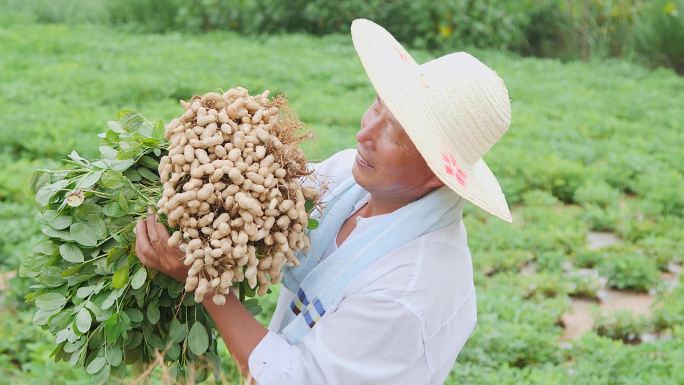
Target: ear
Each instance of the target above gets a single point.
(434, 182)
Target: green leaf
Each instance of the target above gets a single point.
(147, 174)
(173, 352)
(313, 224)
(158, 131)
(112, 179)
(252, 306)
(65, 334)
(112, 209)
(42, 316)
(129, 150)
(109, 137)
(135, 315)
(83, 320)
(39, 178)
(114, 355)
(308, 205)
(45, 247)
(71, 271)
(83, 234)
(249, 291)
(78, 159)
(45, 194)
(120, 278)
(60, 222)
(103, 376)
(153, 313)
(116, 127)
(85, 210)
(96, 365)
(47, 215)
(98, 225)
(198, 339)
(123, 203)
(131, 120)
(90, 179)
(148, 162)
(177, 331)
(50, 276)
(113, 328)
(107, 152)
(151, 338)
(51, 301)
(256, 310)
(84, 291)
(73, 346)
(132, 175)
(60, 234)
(120, 164)
(138, 278)
(71, 253)
(114, 254)
(61, 321)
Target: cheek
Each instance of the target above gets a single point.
(394, 162)
(407, 166)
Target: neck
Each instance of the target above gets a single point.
(379, 205)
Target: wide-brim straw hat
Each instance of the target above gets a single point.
(453, 108)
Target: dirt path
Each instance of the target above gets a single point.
(5, 277)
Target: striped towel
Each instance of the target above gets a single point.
(319, 285)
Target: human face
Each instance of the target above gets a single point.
(388, 164)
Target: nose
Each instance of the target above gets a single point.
(369, 131)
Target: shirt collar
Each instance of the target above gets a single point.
(361, 221)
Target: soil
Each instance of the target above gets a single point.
(5, 277)
(597, 240)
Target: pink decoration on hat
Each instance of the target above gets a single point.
(402, 55)
(452, 168)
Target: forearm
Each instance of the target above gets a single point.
(240, 331)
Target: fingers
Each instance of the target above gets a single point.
(141, 233)
(162, 233)
(151, 222)
(142, 244)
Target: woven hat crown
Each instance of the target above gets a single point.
(469, 101)
(453, 108)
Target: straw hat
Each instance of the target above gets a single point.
(454, 108)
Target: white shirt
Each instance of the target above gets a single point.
(363, 222)
(402, 321)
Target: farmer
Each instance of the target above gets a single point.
(385, 294)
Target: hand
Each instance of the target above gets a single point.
(153, 251)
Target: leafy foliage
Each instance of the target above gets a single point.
(628, 269)
(621, 325)
(89, 286)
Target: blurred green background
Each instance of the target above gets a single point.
(651, 32)
(594, 153)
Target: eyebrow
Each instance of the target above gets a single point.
(395, 123)
(393, 119)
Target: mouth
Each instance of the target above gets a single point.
(362, 161)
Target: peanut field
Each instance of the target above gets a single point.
(585, 287)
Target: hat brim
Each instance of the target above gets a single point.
(399, 82)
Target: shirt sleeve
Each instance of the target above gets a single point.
(369, 339)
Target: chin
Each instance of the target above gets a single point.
(360, 179)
